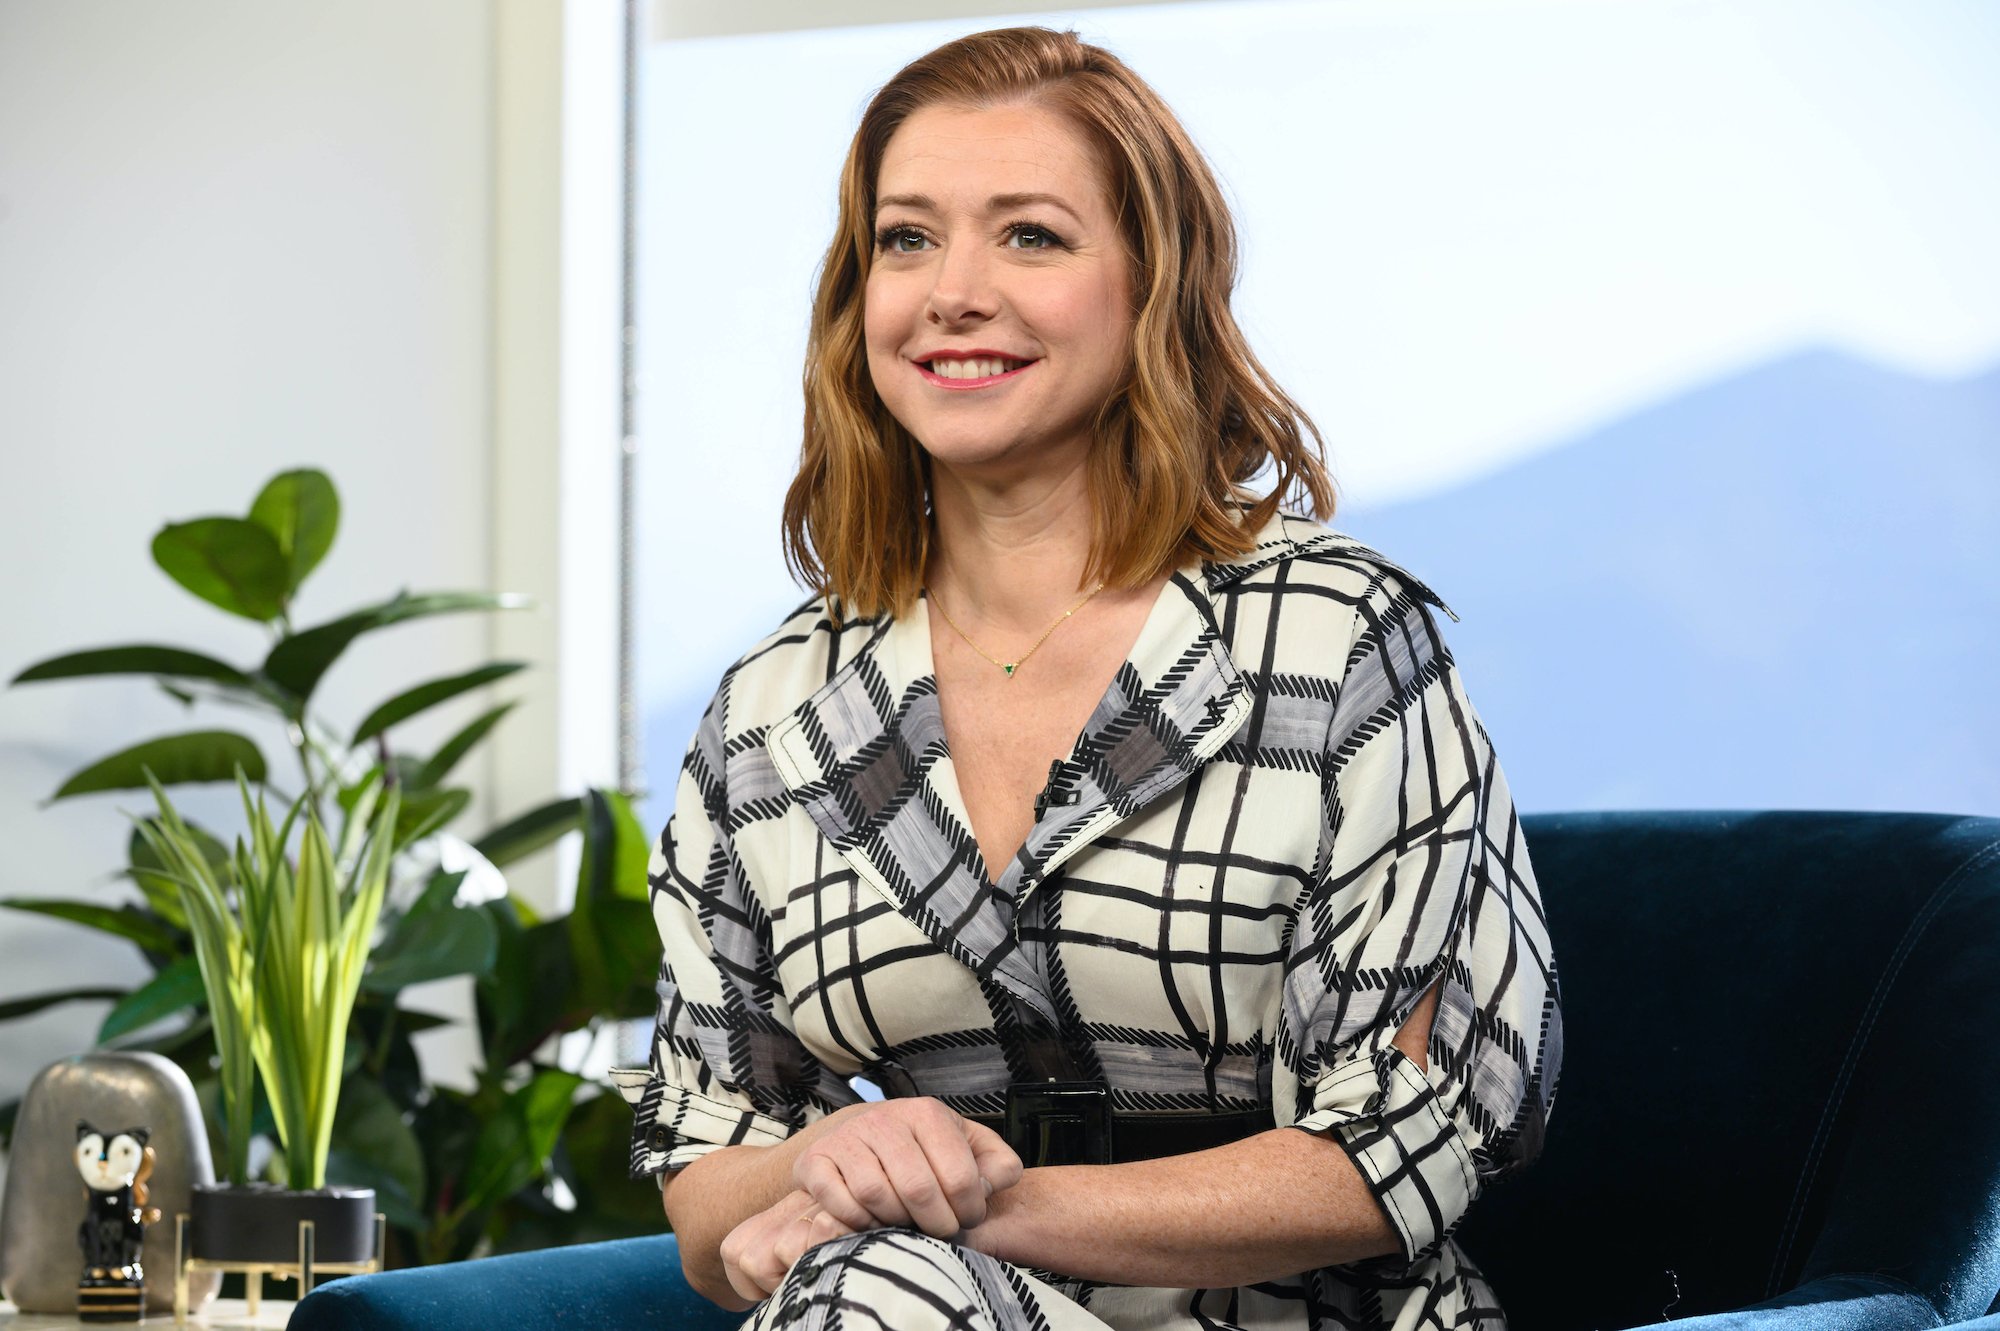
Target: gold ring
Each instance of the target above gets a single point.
(807, 1217)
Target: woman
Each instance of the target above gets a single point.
(1101, 813)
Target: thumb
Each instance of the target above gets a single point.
(997, 1163)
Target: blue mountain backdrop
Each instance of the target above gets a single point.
(1779, 590)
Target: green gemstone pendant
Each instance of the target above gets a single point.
(1010, 669)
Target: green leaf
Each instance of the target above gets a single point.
(173, 990)
(615, 958)
(22, 1007)
(374, 1145)
(228, 562)
(412, 701)
(515, 1143)
(301, 510)
(433, 940)
(153, 879)
(530, 832)
(298, 662)
(425, 811)
(123, 921)
(139, 659)
(455, 748)
(529, 994)
(200, 755)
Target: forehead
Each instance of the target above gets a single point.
(962, 155)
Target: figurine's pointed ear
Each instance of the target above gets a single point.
(138, 1135)
(83, 1129)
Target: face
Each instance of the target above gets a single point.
(999, 302)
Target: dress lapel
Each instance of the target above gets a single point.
(866, 758)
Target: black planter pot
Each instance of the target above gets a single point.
(259, 1222)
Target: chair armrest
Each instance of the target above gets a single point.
(1833, 1303)
(631, 1282)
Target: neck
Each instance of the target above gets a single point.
(1010, 557)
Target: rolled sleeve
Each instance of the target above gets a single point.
(1423, 881)
(672, 1126)
(1386, 1116)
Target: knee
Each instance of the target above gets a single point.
(887, 1278)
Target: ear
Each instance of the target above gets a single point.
(138, 1135)
(83, 1129)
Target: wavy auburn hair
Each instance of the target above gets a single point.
(1196, 417)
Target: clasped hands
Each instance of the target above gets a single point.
(910, 1162)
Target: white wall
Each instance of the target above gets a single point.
(237, 237)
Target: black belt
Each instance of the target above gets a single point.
(1072, 1123)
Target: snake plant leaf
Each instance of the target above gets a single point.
(301, 510)
(175, 989)
(452, 750)
(154, 879)
(175, 760)
(121, 921)
(427, 695)
(33, 1003)
(232, 563)
(297, 663)
(523, 836)
(137, 659)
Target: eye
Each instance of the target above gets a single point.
(897, 240)
(1033, 236)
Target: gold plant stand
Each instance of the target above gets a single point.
(304, 1271)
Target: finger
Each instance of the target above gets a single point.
(866, 1174)
(818, 1173)
(741, 1248)
(916, 1184)
(949, 1154)
(998, 1164)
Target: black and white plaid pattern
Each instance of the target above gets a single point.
(1282, 824)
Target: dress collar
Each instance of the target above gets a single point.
(866, 758)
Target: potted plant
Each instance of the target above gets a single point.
(281, 943)
(533, 1151)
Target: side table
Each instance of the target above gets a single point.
(219, 1315)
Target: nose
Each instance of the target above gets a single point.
(963, 289)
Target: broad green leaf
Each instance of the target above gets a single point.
(412, 701)
(433, 940)
(425, 811)
(175, 760)
(302, 511)
(515, 1143)
(175, 989)
(529, 994)
(455, 748)
(598, 1141)
(298, 662)
(22, 1007)
(123, 921)
(525, 835)
(370, 1132)
(232, 563)
(142, 659)
(615, 958)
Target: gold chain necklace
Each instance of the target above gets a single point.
(1011, 666)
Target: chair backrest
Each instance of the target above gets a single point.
(1779, 1066)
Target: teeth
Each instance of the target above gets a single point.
(973, 369)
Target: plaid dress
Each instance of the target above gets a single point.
(1282, 823)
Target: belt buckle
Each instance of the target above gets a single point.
(1060, 1122)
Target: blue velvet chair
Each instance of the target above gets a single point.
(1778, 1108)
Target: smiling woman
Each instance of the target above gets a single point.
(1127, 828)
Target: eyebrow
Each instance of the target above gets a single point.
(998, 203)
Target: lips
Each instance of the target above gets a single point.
(971, 369)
